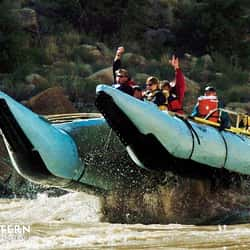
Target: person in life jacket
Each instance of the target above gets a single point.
(122, 80)
(153, 92)
(176, 88)
(165, 89)
(208, 107)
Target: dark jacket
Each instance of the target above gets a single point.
(116, 65)
(125, 87)
(157, 97)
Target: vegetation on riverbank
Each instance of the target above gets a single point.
(63, 43)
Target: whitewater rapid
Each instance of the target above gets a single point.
(76, 221)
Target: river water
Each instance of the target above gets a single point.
(76, 221)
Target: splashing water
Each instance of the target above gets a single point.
(72, 207)
(74, 221)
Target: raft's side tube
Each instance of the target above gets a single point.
(56, 148)
(39, 151)
(238, 148)
(147, 118)
(183, 139)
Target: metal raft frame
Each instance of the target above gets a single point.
(61, 118)
(238, 124)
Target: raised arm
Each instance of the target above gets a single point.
(180, 84)
(117, 61)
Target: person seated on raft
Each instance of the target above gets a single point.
(244, 122)
(165, 89)
(176, 88)
(208, 106)
(122, 80)
(153, 92)
(138, 93)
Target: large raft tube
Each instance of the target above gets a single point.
(162, 140)
(72, 154)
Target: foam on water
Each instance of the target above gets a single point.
(74, 221)
(123, 236)
(72, 207)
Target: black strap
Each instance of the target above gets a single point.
(225, 142)
(175, 110)
(193, 133)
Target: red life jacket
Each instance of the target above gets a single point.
(206, 105)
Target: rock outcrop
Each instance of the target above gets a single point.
(51, 101)
(103, 75)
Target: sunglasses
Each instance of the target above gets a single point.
(149, 84)
(121, 76)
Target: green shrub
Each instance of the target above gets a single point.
(62, 68)
(79, 89)
(72, 38)
(22, 71)
(51, 49)
(16, 89)
(195, 71)
(84, 69)
(71, 69)
(68, 41)
(237, 94)
(162, 71)
(83, 54)
(35, 56)
(88, 38)
(229, 75)
(12, 38)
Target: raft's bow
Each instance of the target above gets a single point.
(159, 140)
(40, 151)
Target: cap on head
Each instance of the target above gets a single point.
(210, 89)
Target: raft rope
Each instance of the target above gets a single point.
(193, 133)
(225, 142)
